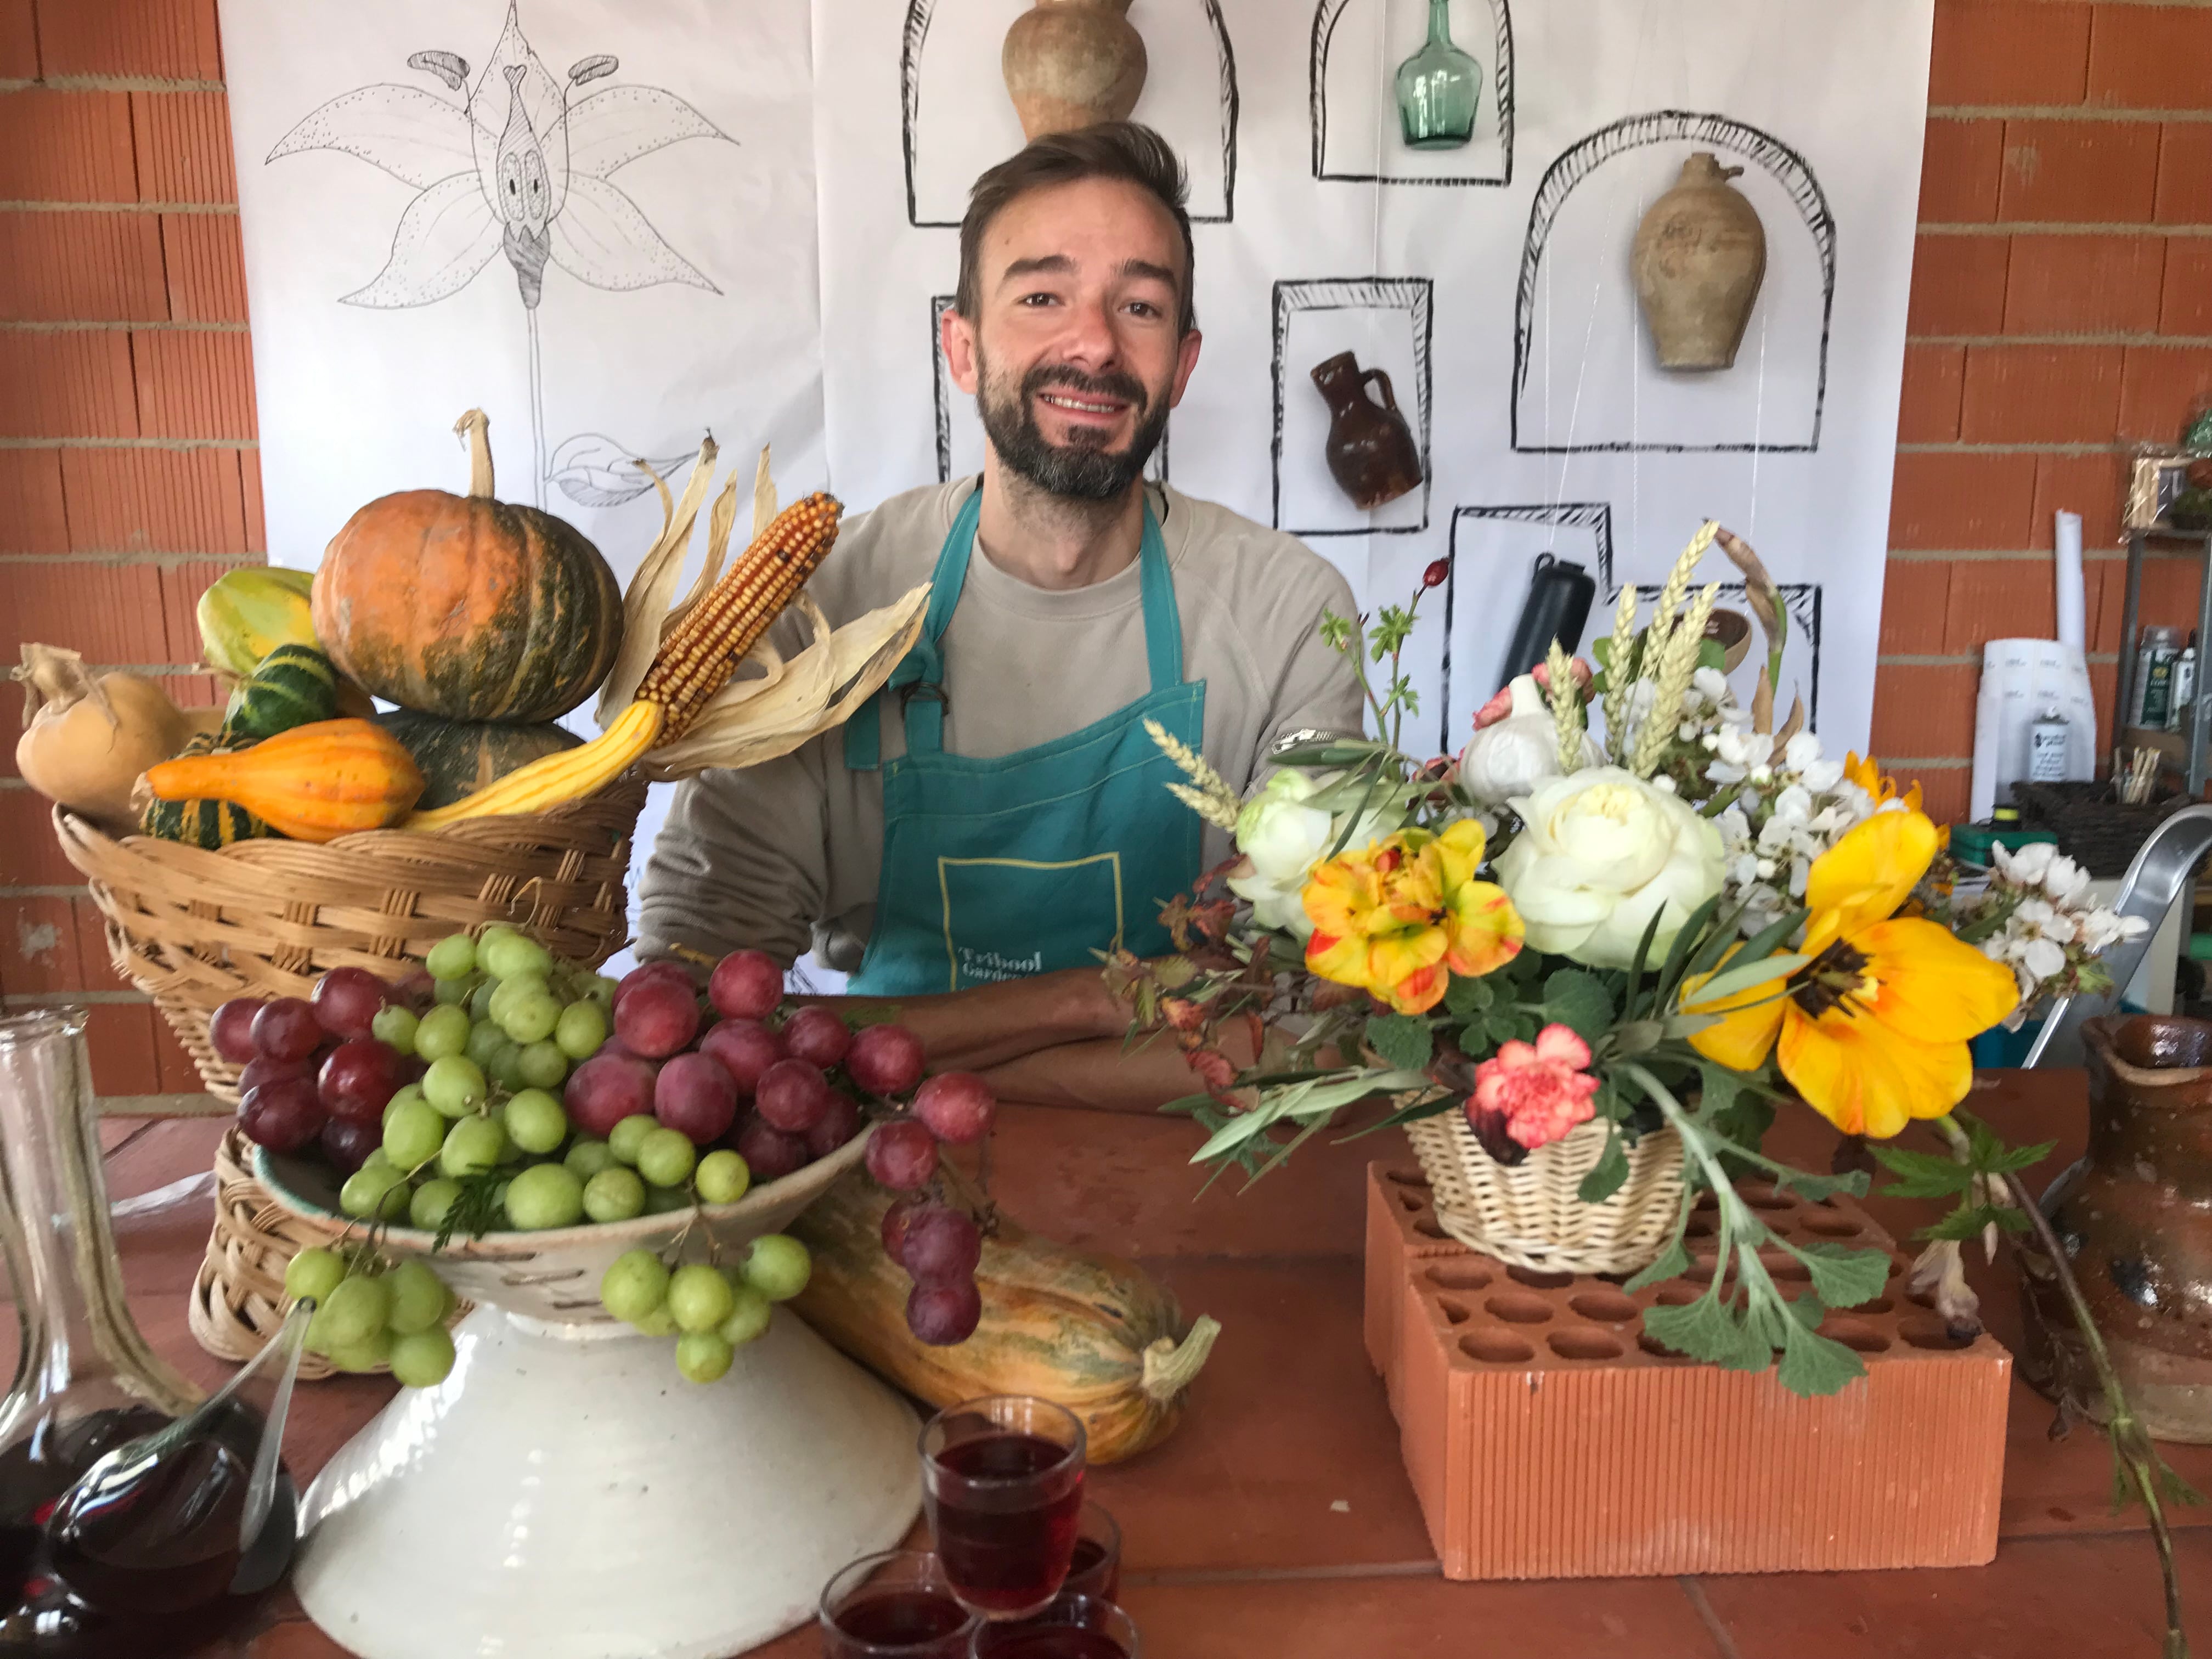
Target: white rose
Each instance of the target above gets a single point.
(1602, 852)
(1282, 839)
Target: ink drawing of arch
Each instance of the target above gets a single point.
(1358, 45)
(958, 121)
(1585, 376)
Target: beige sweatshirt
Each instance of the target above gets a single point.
(762, 857)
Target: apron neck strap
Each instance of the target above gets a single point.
(919, 680)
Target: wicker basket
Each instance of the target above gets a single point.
(2094, 829)
(1528, 1215)
(193, 928)
(238, 1296)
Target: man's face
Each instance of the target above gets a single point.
(1076, 353)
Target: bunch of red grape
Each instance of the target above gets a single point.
(937, 1243)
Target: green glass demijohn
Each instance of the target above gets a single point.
(1439, 87)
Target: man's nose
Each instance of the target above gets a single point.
(1088, 340)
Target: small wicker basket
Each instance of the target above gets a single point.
(193, 928)
(1528, 1215)
(2095, 829)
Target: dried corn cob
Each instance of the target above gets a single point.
(703, 651)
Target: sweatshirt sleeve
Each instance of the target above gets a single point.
(1318, 691)
(742, 862)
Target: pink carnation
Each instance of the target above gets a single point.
(1501, 705)
(1540, 1090)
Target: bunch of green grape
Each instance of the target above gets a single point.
(711, 1310)
(370, 1313)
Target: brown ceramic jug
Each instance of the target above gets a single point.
(1371, 453)
(2136, 1219)
(1071, 63)
(1700, 257)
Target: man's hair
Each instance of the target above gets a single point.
(1112, 149)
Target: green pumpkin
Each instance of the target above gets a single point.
(458, 757)
(294, 685)
(209, 823)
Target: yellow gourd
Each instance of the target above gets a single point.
(86, 740)
(311, 783)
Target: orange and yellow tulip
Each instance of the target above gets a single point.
(1398, 919)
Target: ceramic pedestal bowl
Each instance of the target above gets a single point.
(565, 1494)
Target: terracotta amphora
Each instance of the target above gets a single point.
(1371, 451)
(1071, 63)
(1700, 257)
(2136, 1219)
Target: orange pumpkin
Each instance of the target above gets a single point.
(467, 607)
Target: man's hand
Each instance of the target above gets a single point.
(992, 1024)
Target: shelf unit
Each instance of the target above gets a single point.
(2183, 751)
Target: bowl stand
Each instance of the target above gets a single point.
(565, 1494)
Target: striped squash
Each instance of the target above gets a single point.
(202, 822)
(458, 757)
(294, 685)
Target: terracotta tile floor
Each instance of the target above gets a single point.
(1235, 1545)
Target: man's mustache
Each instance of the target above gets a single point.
(1125, 386)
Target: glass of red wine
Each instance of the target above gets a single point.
(1068, 1627)
(894, 1605)
(1002, 1482)
(1095, 1569)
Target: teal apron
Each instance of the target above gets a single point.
(999, 869)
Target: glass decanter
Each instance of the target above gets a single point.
(133, 1518)
(1439, 87)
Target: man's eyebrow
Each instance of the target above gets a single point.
(1057, 264)
(1146, 268)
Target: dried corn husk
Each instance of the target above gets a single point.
(646, 602)
(760, 717)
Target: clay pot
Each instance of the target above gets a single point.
(1700, 257)
(2136, 1219)
(1072, 63)
(1371, 451)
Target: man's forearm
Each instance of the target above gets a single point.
(975, 1031)
(1098, 1074)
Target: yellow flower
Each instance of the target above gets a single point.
(1873, 1031)
(1400, 917)
(1870, 778)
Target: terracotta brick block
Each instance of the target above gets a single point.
(2105, 582)
(1924, 711)
(19, 41)
(206, 266)
(181, 588)
(2088, 172)
(32, 516)
(91, 951)
(1948, 500)
(153, 501)
(1999, 599)
(71, 383)
(2169, 591)
(37, 945)
(1958, 285)
(161, 39)
(27, 831)
(2184, 173)
(249, 476)
(182, 140)
(2084, 284)
(1927, 405)
(193, 691)
(2185, 304)
(2009, 51)
(120, 1038)
(2040, 394)
(2151, 57)
(194, 383)
(172, 1065)
(2104, 689)
(110, 612)
(1959, 173)
(2164, 385)
(66, 147)
(2090, 485)
(1401, 1230)
(80, 267)
(1943, 792)
(1916, 593)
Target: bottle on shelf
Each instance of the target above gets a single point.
(2152, 698)
(1439, 89)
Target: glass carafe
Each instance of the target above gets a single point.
(152, 1554)
(1439, 89)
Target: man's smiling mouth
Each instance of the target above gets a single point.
(1080, 405)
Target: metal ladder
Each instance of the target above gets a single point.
(2161, 871)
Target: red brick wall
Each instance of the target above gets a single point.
(2061, 298)
(128, 477)
(2062, 303)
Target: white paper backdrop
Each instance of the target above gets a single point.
(745, 226)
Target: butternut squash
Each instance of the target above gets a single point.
(1093, 1332)
(86, 740)
(314, 782)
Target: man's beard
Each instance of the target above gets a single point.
(1083, 471)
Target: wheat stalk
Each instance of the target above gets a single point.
(1211, 799)
(1566, 707)
(1616, 673)
(1671, 682)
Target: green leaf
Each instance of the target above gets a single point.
(1818, 1187)
(1719, 1087)
(1607, 1175)
(1465, 997)
(1678, 953)
(1579, 1001)
(1404, 1040)
(1707, 1330)
(1813, 1365)
(1672, 1262)
(1843, 1278)
(1965, 1223)
(1711, 655)
(1734, 981)
(1922, 1175)
(1642, 956)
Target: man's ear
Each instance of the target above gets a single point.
(956, 337)
(1186, 361)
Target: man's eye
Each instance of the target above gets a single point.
(1144, 308)
(1038, 300)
